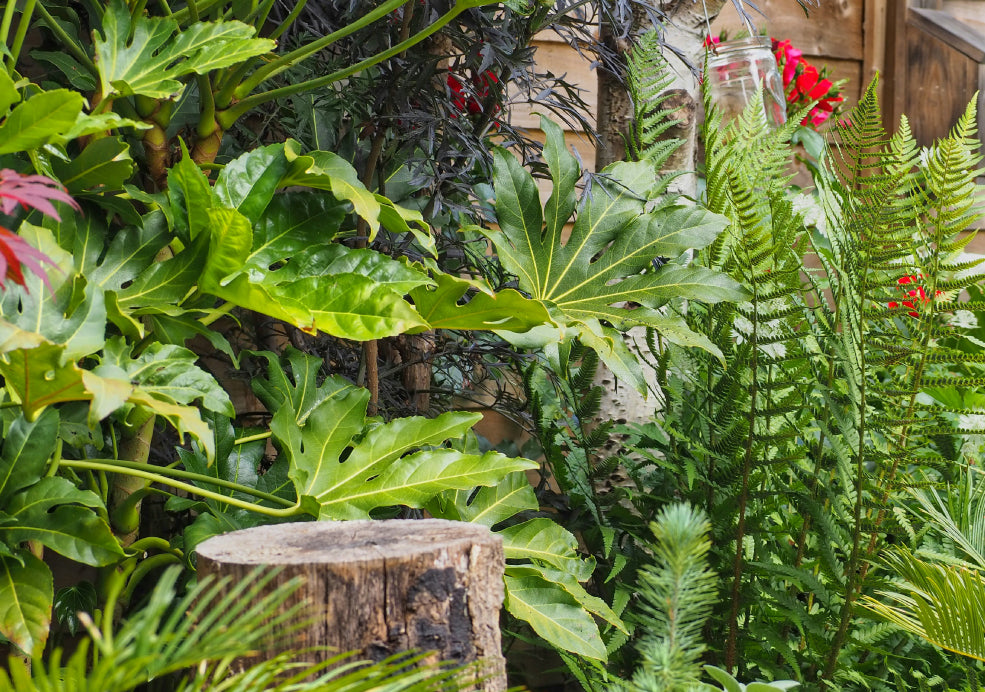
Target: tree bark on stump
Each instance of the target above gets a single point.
(381, 587)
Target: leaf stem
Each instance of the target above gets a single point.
(253, 438)
(295, 56)
(8, 19)
(289, 20)
(22, 26)
(235, 112)
(138, 470)
(153, 543)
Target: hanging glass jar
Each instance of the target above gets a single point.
(740, 69)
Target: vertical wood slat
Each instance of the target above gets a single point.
(940, 67)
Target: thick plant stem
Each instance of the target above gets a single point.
(207, 143)
(371, 348)
(156, 152)
(133, 447)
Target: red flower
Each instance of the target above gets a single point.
(917, 293)
(472, 103)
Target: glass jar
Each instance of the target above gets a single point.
(740, 69)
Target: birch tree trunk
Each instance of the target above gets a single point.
(684, 27)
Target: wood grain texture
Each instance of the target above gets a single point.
(381, 587)
(941, 77)
(832, 30)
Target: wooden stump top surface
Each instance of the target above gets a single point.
(341, 541)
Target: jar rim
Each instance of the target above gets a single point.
(742, 44)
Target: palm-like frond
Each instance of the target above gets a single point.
(942, 604)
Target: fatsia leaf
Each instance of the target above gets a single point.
(37, 378)
(444, 307)
(569, 583)
(103, 166)
(179, 329)
(607, 269)
(348, 305)
(109, 261)
(398, 219)
(190, 196)
(324, 170)
(292, 382)
(413, 480)
(292, 222)
(336, 260)
(349, 465)
(487, 506)
(167, 282)
(544, 540)
(26, 594)
(76, 322)
(553, 613)
(236, 463)
(248, 183)
(9, 95)
(147, 56)
(166, 372)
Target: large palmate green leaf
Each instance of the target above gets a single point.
(347, 304)
(147, 56)
(487, 506)
(26, 595)
(103, 166)
(25, 453)
(248, 183)
(346, 465)
(56, 514)
(445, 307)
(609, 270)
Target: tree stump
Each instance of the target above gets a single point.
(381, 587)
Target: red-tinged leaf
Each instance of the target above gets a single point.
(14, 252)
(31, 192)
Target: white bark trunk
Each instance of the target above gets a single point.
(684, 29)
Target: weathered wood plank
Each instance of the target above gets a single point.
(834, 29)
(940, 77)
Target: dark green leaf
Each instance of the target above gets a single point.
(72, 600)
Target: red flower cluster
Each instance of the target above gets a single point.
(917, 293)
(470, 101)
(803, 84)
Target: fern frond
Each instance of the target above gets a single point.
(648, 78)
